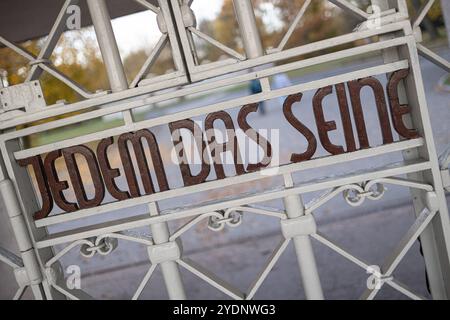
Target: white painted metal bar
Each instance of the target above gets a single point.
(216, 43)
(108, 45)
(228, 104)
(170, 271)
(211, 278)
(351, 8)
(251, 38)
(69, 82)
(293, 25)
(400, 287)
(150, 60)
(435, 240)
(433, 57)
(19, 293)
(109, 49)
(322, 239)
(10, 259)
(407, 241)
(148, 5)
(211, 185)
(16, 218)
(52, 39)
(273, 259)
(144, 220)
(54, 111)
(393, 260)
(423, 11)
(144, 282)
(303, 248)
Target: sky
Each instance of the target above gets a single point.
(135, 30)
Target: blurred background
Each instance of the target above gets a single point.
(370, 231)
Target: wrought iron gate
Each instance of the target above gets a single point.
(396, 36)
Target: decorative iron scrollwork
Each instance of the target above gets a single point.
(231, 218)
(355, 194)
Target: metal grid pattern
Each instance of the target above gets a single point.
(398, 40)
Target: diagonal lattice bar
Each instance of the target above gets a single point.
(211, 278)
(150, 60)
(10, 258)
(52, 40)
(144, 282)
(396, 256)
(433, 57)
(217, 44)
(294, 24)
(351, 8)
(422, 13)
(273, 259)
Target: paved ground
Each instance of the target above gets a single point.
(369, 231)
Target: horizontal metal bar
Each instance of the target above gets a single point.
(302, 50)
(387, 68)
(144, 220)
(114, 97)
(284, 169)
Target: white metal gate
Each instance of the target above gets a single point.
(398, 39)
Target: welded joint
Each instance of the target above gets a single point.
(39, 61)
(30, 274)
(54, 273)
(22, 278)
(417, 33)
(432, 201)
(378, 278)
(189, 19)
(300, 226)
(168, 251)
(161, 22)
(445, 174)
(102, 246)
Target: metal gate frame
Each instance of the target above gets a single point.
(38, 266)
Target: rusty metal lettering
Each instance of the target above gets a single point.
(255, 136)
(42, 182)
(308, 134)
(109, 174)
(188, 178)
(345, 117)
(323, 126)
(216, 148)
(355, 88)
(398, 110)
(130, 174)
(75, 176)
(56, 186)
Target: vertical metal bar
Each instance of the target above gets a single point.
(435, 238)
(303, 249)
(170, 270)
(23, 239)
(250, 35)
(109, 49)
